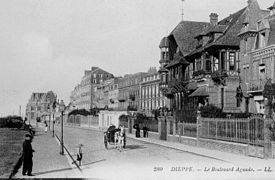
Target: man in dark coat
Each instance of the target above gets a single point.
(27, 155)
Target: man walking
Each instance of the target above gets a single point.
(27, 155)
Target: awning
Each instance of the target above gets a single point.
(192, 86)
(200, 92)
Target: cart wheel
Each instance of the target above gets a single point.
(105, 142)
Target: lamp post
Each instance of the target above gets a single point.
(53, 108)
(62, 109)
(49, 111)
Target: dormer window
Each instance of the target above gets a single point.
(262, 39)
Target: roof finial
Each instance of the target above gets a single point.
(182, 10)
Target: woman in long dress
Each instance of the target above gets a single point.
(46, 127)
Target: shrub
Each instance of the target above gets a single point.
(211, 111)
(187, 115)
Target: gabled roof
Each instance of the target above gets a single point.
(178, 59)
(233, 27)
(212, 29)
(184, 34)
(230, 27)
(253, 14)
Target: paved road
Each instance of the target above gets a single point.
(138, 160)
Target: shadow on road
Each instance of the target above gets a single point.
(87, 164)
(53, 171)
(132, 147)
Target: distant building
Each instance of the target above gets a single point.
(39, 105)
(82, 97)
(151, 96)
(129, 91)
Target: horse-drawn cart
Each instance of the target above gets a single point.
(111, 139)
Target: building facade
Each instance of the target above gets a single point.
(200, 62)
(82, 97)
(39, 105)
(129, 91)
(257, 49)
(151, 97)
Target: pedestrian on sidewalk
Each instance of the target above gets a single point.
(27, 155)
(79, 154)
(46, 127)
(137, 130)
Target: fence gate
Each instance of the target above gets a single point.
(256, 136)
(163, 130)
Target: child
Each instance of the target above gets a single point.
(79, 154)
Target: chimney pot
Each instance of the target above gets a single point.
(214, 18)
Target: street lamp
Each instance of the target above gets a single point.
(49, 111)
(53, 108)
(62, 109)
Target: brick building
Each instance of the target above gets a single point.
(257, 49)
(200, 62)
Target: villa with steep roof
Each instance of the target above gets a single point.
(201, 62)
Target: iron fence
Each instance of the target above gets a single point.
(186, 129)
(250, 131)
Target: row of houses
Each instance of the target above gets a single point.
(221, 62)
(134, 92)
(225, 63)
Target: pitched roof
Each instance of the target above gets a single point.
(201, 91)
(229, 27)
(164, 42)
(233, 26)
(178, 59)
(212, 29)
(184, 34)
(253, 14)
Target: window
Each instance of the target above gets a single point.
(262, 39)
(231, 61)
(208, 65)
(216, 64)
(223, 58)
(198, 65)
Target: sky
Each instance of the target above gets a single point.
(47, 44)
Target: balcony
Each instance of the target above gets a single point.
(121, 98)
(132, 97)
(219, 77)
(201, 74)
(256, 87)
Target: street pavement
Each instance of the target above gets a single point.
(145, 158)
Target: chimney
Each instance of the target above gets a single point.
(213, 19)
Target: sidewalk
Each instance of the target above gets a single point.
(47, 162)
